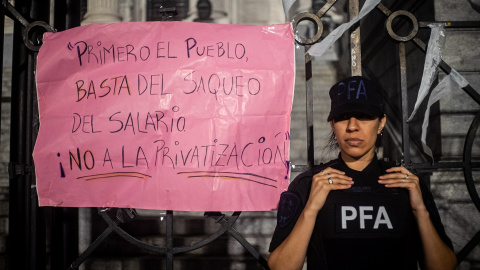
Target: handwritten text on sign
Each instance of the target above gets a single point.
(165, 115)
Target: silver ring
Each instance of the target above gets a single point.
(406, 176)
(330, 181)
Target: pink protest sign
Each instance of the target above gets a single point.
(165, 115)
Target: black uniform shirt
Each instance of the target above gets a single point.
(365, 227)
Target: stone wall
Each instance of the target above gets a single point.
(461, 52)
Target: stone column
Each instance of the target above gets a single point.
(102, 11)
(125, 9)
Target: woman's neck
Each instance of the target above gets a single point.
(358, 163)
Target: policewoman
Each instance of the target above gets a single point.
(358, 212)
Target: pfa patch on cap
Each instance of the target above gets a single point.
(288, 207)
(355, 95)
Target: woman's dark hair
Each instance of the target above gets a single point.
(331, 144)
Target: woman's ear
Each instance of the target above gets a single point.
(383, 121)
(331, 124)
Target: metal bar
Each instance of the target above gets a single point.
(403, 83)
(14, 15)
(39, 10)
(91, 248)
(462, 254)
(248, 247)
(468, 89)
(73, 14)
(2, 32)
(240, 239)
(472, 93)
(202, 242)
(30, 181)
(169, 255)
(127, 237)
(225, 224)
(467, 156)
(447, 69)
(19, 205)
(40, 235)
(59, 15)
(309, 108)
(56, 240)
(325, 8)
(444, 165)
(355, 46)
(132, 240)
(384, 9)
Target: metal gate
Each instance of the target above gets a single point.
(33, 228)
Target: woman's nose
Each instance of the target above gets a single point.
(352, 124)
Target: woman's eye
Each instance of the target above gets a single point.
(341, 118)
(358, 116)
(365, 117)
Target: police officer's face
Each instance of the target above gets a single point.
(356, 134)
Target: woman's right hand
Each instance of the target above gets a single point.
(291, 253)
(322, 183)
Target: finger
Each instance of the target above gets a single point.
(341, 177)
(392, 181)
(399, 176)
(330, 178)
(400, 184)
(400, 169)
(320, 177)
(339, 187)
(334, 184)
(399, 172)
(396, 182)
(337, 181)
(330, 170)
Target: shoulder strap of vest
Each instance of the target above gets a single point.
(387, 164)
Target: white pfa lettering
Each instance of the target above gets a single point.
(382, 218)
(350, 213)
(346, 217)
(363, 216)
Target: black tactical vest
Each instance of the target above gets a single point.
(365, 227)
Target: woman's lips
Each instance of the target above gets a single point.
(354, 141)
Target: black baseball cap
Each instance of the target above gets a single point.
(355, 94)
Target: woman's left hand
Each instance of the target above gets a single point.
(437, 255)
(400, 177)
